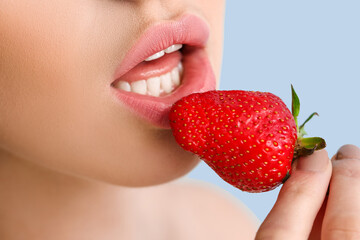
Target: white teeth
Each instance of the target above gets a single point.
(181, 68)
(173, 48)
(139, 87)
(165, 83)
(123, 86)
(175, 76)
(155, 56)
(153, 86)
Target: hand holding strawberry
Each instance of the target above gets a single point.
(249, 139)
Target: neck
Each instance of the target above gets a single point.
(38, 203)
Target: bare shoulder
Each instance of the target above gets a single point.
(209, 211)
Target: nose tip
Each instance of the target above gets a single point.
(156, 10)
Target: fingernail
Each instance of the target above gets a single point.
(339, 156)
(348, 152)
(317, 162)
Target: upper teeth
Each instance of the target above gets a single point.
(170, 49)
(154, 86)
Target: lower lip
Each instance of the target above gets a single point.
(198, 76)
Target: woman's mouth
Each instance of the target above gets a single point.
(158, 76)
(167, 63)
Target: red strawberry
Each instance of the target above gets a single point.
(248, 138)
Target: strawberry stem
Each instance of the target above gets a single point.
(304, 146)
(295, 106)
(301, 128)
(313, 143)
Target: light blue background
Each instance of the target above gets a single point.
(315, 45)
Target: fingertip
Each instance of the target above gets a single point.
(321, 153)
(299, 199)
(348, 151)
(317, 162)
(341, 220)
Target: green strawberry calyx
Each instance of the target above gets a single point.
(304, 146)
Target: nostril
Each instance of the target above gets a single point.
(348, 151)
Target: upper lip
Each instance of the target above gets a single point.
(185, 30)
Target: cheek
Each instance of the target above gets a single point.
(214, 12)
(56, 107)
(38, 73)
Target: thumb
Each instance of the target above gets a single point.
(299, 199)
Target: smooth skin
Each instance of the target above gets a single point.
(75, 164)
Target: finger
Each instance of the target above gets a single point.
(315, 233)
(342, 216)
(299, 200)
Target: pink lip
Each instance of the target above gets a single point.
(198, 75)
